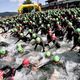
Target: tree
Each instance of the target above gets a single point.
(27, 2)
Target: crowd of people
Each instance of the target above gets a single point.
(55, 25)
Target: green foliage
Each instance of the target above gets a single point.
(27, 2)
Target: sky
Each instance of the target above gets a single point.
(12, 5)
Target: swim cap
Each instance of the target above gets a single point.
(78, 18)
(17, 24)
(70, 24)
(34, 35)
(26, 62)
(2, 51)
(38, 40)
(19, 45)
(6, 22)
(30, 30)
(20, 49)
(40, 21)
(56, 19)
(56, 58)
(42, 25)
(21, 34)
(57, 22)
(48, 54)
(14, 29)
(48, 25)
(77, 30)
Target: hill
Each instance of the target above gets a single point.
(8, 14)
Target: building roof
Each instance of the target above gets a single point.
(60, 2)
(69, 1)
(64, 1)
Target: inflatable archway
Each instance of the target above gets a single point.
(27, 6)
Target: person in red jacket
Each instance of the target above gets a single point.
(51, 37)
(7, 72)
